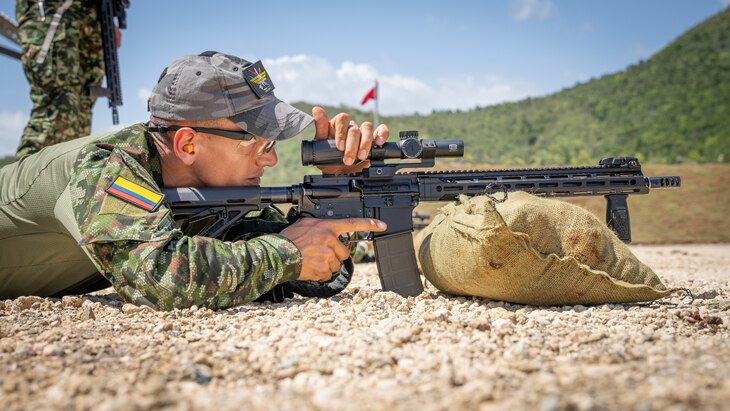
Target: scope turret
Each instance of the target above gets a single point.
(325, 152)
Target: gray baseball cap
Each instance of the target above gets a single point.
(214, 85)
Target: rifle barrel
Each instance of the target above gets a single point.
(665, 182)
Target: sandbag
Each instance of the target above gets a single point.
(531, 250)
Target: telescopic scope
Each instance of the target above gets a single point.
(325, 152)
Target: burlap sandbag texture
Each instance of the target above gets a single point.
(531, 250)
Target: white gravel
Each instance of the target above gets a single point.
(373, 350)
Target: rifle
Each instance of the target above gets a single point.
(108, 10)
(382, 192)
(9, 30)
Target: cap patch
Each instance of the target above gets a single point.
(135, 194)
(257, 77)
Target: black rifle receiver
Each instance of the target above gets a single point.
(383, 193)
(107, 11)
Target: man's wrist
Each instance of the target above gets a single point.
(288, 253)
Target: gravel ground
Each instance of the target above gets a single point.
(371, 350)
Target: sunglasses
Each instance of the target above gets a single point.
(233, 135)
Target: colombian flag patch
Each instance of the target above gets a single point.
(134, 193)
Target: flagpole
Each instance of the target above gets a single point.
(377, 97)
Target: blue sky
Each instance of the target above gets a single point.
(427, 55)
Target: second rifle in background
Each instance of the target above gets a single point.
(108, 10)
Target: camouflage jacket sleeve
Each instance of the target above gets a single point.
(150, 262)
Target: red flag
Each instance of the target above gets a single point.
(371, 94)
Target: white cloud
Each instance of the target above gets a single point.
(725, 2)
(11, 127)
(143, 94)
(350, 71)
(313, 79)
(525, 9)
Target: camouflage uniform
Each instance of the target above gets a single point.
(59, 84)
(56, 200)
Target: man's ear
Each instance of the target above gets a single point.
(183, 143)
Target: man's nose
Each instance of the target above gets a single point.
(267, 159)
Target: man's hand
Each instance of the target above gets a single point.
(353, 140)
(318, 241)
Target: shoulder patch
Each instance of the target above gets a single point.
(135, 194)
